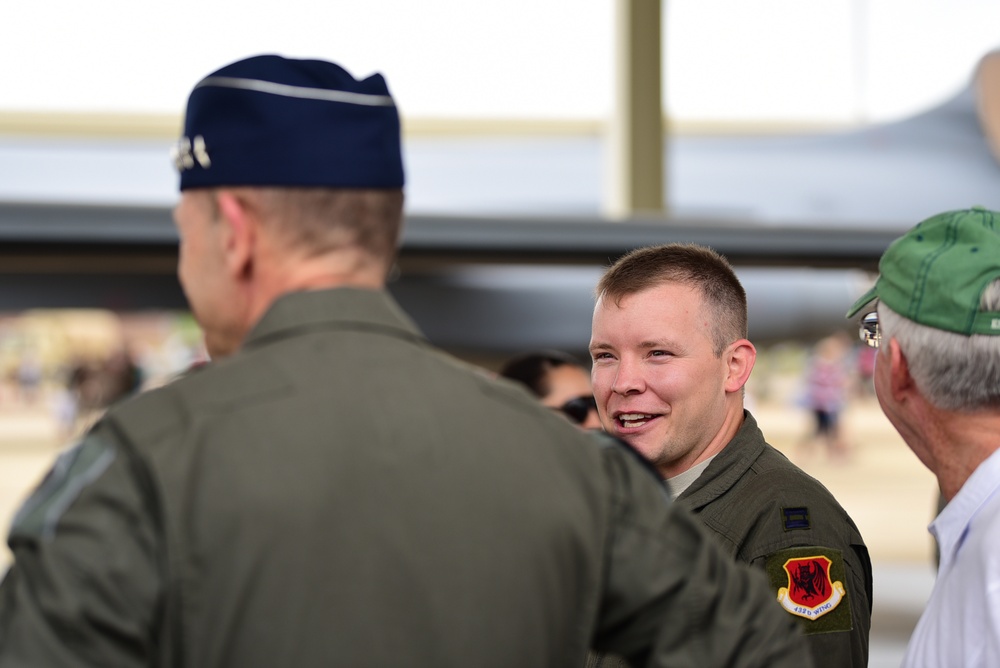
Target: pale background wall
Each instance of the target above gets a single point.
(839, 61)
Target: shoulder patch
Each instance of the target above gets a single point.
(795, 518)
(73, 471)
(810, 583)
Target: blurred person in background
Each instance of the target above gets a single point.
(330, 489)
(827, 388)
(90, 386)
(670, 363)
(30, 375)
(865, 363)
(559, 380)
(936, 324)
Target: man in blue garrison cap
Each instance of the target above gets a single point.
(330, 489)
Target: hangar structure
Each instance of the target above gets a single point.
(506, 234)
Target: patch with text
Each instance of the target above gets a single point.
(810, 583)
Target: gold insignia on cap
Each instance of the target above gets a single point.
(185, 153)
(201, 152)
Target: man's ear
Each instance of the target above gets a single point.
(900, 381)
(239, 233)
(740, 358)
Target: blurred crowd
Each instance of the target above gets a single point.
(47, 365)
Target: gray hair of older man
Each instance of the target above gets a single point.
(954, 372)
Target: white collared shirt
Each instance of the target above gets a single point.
(960, 626)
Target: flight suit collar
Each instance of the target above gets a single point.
(337, 308)
(728, 467)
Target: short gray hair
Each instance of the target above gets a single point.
(953, 371)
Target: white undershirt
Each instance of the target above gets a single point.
(682, 481)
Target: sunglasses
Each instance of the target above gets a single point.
(869, 330)
(578, 408)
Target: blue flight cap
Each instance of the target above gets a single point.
(273, 121)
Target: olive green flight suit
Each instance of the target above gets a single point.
(339, 493)
(766, 511)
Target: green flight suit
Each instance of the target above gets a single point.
(766, 511)
(341, 493)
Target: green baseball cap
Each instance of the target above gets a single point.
(935, 274)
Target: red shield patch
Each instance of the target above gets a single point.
(809, 580)
(810, 592)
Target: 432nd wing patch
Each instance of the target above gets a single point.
(811, 584)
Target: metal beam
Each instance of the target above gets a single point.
(124, 259)
(636, 132)
(39, 238)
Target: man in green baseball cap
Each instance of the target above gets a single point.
(936, 323)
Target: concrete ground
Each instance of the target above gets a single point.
(890, 495)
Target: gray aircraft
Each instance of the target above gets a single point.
(504, 238)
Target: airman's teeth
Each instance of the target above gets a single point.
(632, 420)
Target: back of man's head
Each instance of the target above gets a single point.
(938, 295)
(306, 144)
(688, 264)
